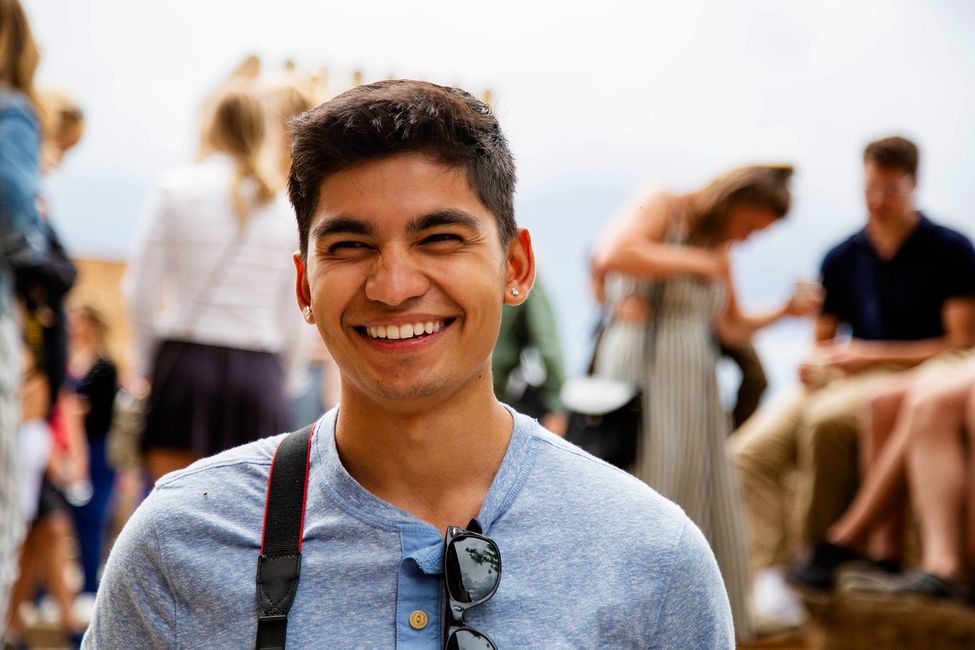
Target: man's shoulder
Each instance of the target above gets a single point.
(844, 249)
(585, 488)
(228, 485)
(948, 238)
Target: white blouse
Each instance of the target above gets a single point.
(174, 288)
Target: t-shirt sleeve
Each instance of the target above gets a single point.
(696, 612)
(959, 269)
(136, 604)
(830, 277)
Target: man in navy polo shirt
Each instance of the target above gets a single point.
(903, 289)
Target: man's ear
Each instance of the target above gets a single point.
(519, 274)
(302, 290)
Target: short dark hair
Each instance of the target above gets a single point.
(895, 152)
(396, 116)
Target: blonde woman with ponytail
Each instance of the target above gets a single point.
(210, 295)
(662, 274)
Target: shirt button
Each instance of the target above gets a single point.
(419, 619)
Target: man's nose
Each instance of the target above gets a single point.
(396, 277)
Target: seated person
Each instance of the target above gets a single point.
(904, 289)
(914, 436)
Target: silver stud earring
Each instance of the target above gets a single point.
(514, 291)
(307, 311)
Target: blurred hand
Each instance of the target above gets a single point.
(556, 422)
(713, 265)
(135, 384)
(804, 303)
(832, 360)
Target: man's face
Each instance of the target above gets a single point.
(406, 278)
(889, 192)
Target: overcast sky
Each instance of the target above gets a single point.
(596, 97)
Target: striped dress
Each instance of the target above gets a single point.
(681, 451)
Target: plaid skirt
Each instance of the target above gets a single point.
(207, 398)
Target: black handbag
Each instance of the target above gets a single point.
(606, 415)
(605, 418)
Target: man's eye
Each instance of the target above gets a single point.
(443, 237)
(341, 246)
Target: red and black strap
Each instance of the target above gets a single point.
(279, 564)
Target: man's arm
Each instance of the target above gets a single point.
(695, 612)
(21, 230)
(958, 316)
(136, 605)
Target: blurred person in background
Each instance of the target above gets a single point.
(663, 275)
(903, 289)
(530, 328)
(93, 375)
(21, 241)
(53, 457)
(751, 385)
(214, 329)
(915, 452)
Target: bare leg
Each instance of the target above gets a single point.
(876, 502)
(887, 535)
(56, 538)
(936, 469)
(26, 580)
(970, 426)
(163, 461)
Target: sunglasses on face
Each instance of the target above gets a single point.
(472, 573)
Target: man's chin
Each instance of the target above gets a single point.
(407, 392)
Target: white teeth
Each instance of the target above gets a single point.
(406, 331)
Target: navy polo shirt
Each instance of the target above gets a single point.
(900, 299)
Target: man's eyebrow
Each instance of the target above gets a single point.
(341, 225)
(447, 217)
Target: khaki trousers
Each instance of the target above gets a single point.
(798, 464)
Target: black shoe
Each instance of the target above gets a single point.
(916, 582)
(818, 571)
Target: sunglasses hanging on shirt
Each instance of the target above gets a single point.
(471, 573)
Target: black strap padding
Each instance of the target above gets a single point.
(286, 495)
(279, 566)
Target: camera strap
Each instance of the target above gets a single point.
(279, 564)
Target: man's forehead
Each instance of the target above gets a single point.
(411, 190)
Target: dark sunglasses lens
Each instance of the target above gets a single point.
(469, 640)
(472, 569)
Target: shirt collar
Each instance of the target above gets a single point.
(358, 502)
(923, 225)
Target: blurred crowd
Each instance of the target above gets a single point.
(811, 491)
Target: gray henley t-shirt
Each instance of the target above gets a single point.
(591, 558)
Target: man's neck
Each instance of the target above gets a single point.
(888, 236)
(436, 463)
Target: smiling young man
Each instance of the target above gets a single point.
(408, 251)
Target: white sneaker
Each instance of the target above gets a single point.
(84, 608)
(776, 606)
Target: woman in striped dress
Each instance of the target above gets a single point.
(663, 275)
